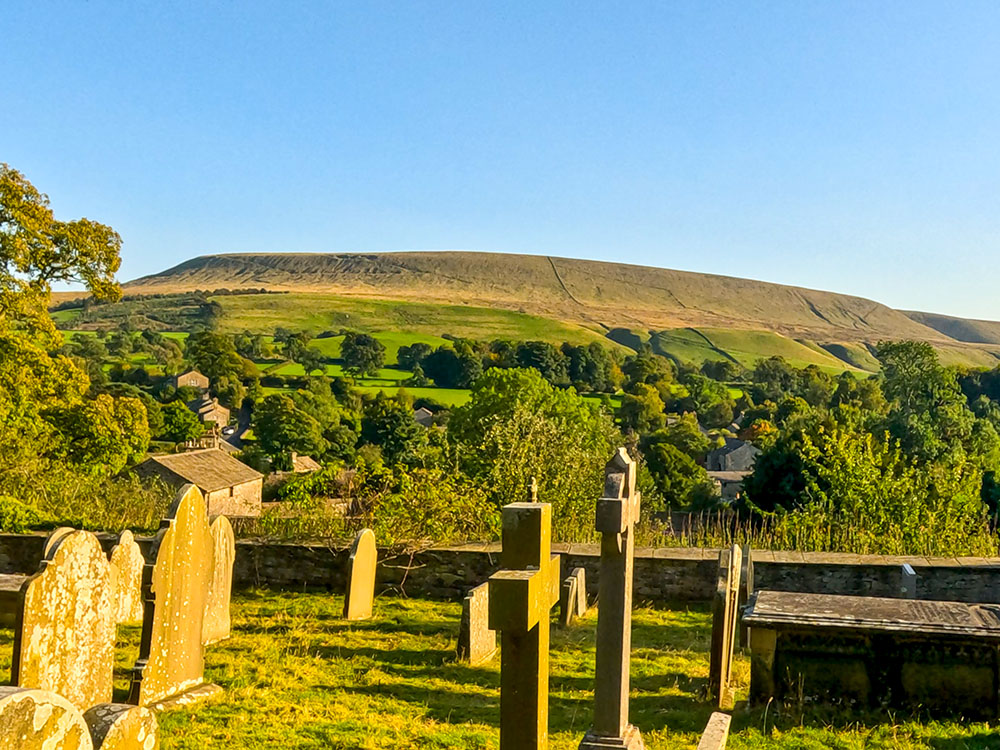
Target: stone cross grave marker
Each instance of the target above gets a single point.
(65, 637)
(724, 627)
(746, 589)
(171, 665)
(476, 642)
(40, 720)
(127, 563)
(617, 514)
(217, 624)
(573, 597)
(521, 596)
(361, 577)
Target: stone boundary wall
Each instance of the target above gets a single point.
(665, 574)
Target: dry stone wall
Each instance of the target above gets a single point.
(670, 574)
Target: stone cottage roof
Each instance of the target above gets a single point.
(210, 469)
(304, 464)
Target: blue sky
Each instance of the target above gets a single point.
(850, 146)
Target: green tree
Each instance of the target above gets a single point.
(676, 476)
(282, 428)
(102, 435)
(642, 410)
(180, 424)
(362, 354)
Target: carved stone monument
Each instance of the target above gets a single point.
(127, 563)
(724, 612)
(520, 599)
(573, 597)
(170, 669)
(361, 577)
(65, 637)
(617, 514)
(217, 624)
(117, 726)
(746, 589)
(875, 651)
(476, 642)
(40, 720)
(716, 732)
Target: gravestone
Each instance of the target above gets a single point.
(908, 582)
(127, 563)
(65, 637)
(876, 651)
(476, 642)
(170, 669)
(573, 597)
(617, 514)
(746, 589)
(520, 599)
(119, 726)
(361, 577)
(217, 624)
(716, 733)
(724, 613)
(40, 720)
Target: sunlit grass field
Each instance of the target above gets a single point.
(297, 676)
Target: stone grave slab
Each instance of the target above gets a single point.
(127, 563)
(724, 626)
(573, 597)
(616, 516)
(217, 623)
(716, 733)
(746, 589)
(361, 577)
(941, 656)
(65, 638)
(119, 726)
(477, 644)
(175, 588)
(908, 582)
(40, 720)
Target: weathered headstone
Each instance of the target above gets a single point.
(476, 642)
(724, 610)
(520, 599)
(65, 637)
(617, 514)
(175, 582)
(573, 597)
(119, 726)
(716, 732)
(217, 624)
(40, 720)
(361, 577)
(746, 589)
(908, 582)
(127, 563)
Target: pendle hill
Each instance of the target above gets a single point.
(683, 315)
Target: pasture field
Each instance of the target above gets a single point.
(323, 312)
(296, 675)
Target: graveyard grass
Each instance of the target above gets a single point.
(296, 675)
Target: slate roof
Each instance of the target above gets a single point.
(304, 464)
(210, 468)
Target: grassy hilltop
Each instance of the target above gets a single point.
(682, 315)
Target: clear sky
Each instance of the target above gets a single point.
(850, 146)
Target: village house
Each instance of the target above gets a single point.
(423, 416)
(729, 484)
(304, 464)
(735, 455)
(210, 410)
(190, 379)
(231, 488)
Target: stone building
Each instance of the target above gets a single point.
(729, 484)
(210, 410)
(735, 455)
(230, 487)
(190, 379)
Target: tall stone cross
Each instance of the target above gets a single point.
(521, 596)
(617, 514)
